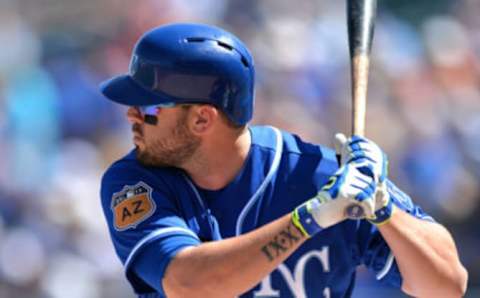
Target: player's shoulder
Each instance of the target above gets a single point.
(123, 169)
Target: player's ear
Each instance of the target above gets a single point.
(202, 118)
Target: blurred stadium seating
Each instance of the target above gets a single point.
(57, 133)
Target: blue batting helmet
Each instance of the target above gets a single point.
(188, 63)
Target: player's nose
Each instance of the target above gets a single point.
(134, 115)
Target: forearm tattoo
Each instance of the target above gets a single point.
(281, 243)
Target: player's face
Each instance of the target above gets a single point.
(169, 142)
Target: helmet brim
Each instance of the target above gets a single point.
(124, 90)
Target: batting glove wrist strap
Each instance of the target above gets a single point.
(390, 198)
(383, 214)
(302, 218)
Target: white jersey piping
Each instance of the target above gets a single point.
(263, 186)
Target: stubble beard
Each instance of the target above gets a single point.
(173, 151)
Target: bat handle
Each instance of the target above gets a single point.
(360, 67)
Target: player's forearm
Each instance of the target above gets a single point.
(426, 256)
(229, 267)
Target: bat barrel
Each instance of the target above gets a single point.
(360, 22)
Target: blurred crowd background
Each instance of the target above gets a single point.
(57, 133)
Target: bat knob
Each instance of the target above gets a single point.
(355, 211)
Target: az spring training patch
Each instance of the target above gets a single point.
(132, 205)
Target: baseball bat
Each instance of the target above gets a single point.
(360, 21)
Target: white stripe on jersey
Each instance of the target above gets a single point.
(268, 178)
(155, 234)
(388, 265)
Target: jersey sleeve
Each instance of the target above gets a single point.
(374, 250)
(145, 224)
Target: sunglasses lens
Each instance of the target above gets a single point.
(148, 110)
(150, 119)
(152, 110)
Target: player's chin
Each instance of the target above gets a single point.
(139, 144)
(138, 140)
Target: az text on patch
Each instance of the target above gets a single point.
(132, 205)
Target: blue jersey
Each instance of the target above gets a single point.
(153, 213)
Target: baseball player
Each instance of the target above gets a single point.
(208, 206)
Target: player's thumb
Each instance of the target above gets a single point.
(339, 142)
